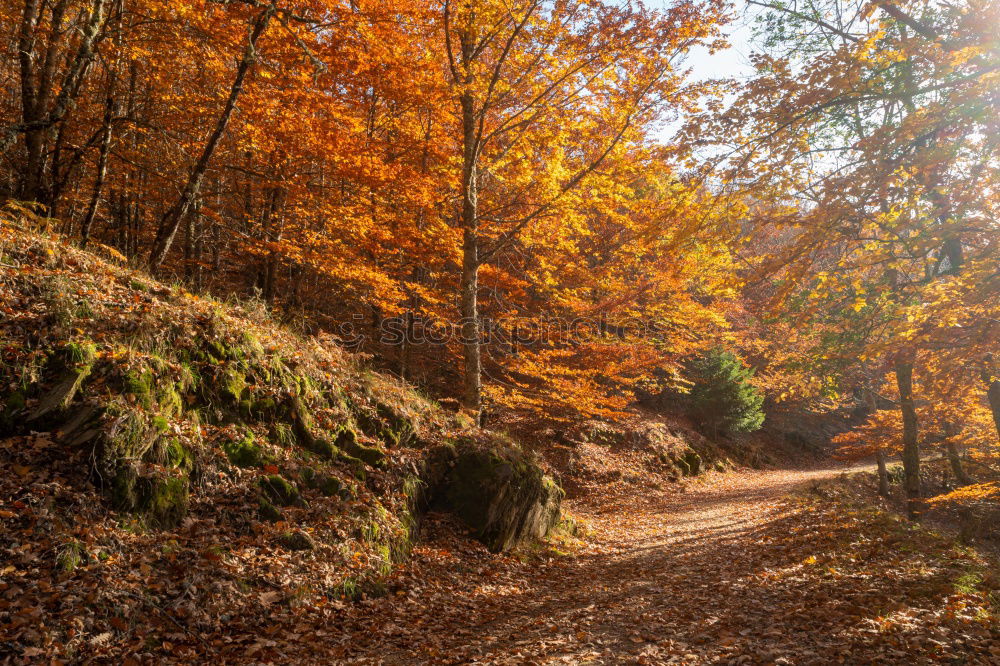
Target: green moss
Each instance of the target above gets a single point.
(189, 378)
(130, 435)
(297, 540)
(178, 456)
(280, 490)
(74, 363)
(693, 462)
(71, 556)
(140, 384)
(232, 383)
(323, 448)
(251, 345)
(347, 441)
(218, 350)
(10, 415)
(244, 451)
(16, 401)
(268, 511)
(169, 400)
(161, 500)
(330, 486)
(160, 423)
(308, 476)
(262, 409)
(79, 353)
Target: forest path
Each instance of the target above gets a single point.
(728, 570)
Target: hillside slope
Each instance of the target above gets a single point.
(175, 469)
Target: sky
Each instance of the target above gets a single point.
(734, 61)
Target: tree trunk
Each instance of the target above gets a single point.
(37, 74)
(102, 167)
(472, 395)
(883, 475)
(911, 447)
(956, 463)
(992, 382)
(171, 220)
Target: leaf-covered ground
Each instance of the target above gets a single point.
(744, 568)
(737, 568)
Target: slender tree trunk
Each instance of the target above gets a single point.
(102, 167)
(956, 463)
(171, 220)
(472, 394)
(991, 377)
(883, 474)
(37, 73)
(406, 348)
(911, 447)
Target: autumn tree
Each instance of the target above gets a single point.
(871, 119)
(546, 93)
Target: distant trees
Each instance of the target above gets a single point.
(867, 135)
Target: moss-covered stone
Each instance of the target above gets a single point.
(13, 407)
(296, 540)
(168, 400)
(267, 511)
(138, 382)
(347, 441)
(73, 365)
(251, 346)
(130, 436)
(161, 501)
(504, 498)
(692, 462)
(231, 384)
(280, 490)
(244, 451)
(329, 485)
(385, 422)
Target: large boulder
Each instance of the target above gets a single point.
(501, 494)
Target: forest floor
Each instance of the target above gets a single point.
(750, 567)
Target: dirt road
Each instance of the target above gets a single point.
(729, 570)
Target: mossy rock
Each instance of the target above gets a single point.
(262, 409)
(280, 490)
(139, 383)
(692, 462)
(326, 484)
(329, 485)
(267, 511)
(231, 383)
(347, 441)
(73, 364)
(245, 452)
(296, 540)
(130, 437)
(10, 415)
(504, 498)
(386, 423)
(161, 501)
